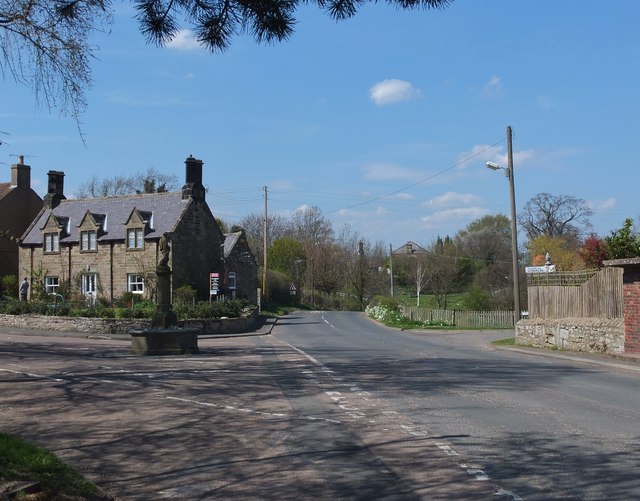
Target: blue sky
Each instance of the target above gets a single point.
(383, 121)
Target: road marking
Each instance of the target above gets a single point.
(249, 411)
(39, 376)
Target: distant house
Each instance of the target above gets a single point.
(19, 205)
(104, 247)
(410, 249)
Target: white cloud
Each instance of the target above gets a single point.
(184, 40)
(387, 172)
(461, 216)
(602, 205)
(451, 199)
(482, 153)
(393, 91)
(493, 88)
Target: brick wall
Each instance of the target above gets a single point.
(631, 293)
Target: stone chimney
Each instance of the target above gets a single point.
(193, 187)
(55, 191)
(21, 175)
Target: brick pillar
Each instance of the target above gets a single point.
(631, 294)
(631, 301)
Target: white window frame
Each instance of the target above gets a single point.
(88, 240)
(135, 283)
(89, 284)
(233, 280)
(51, 284)
(52, 242)
(135, 238)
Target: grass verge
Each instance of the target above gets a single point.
(22, 461)
(510, 341)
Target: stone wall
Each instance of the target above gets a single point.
(123, 326)
(596, 335)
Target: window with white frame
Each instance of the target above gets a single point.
(135, 283)
(232, 280)
(89, 284)
(135, 238)
(52, 242)
(88, 240)
(51, 285)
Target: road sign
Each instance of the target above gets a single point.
(292, 290)
(214, 283)
(540, 269)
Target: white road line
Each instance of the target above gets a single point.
(39, 376)
(250, 411)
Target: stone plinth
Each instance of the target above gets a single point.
(164, 337)
(174, 341)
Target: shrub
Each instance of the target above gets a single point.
(202, 309)
(9, 286)
(184, 295)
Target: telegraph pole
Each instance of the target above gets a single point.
(265, 228)
(514, 229)
(391, 266)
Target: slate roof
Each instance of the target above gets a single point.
(4, 189)
(410, 248)
(166, 210)
(230, 241)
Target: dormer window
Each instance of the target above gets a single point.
(135, 238)
(88, 240)
(52, 242)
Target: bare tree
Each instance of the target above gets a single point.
(150, 181)
(555, 216)
(45, 44)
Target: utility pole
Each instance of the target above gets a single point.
(391, 266)
(514, 229)
(265, 228)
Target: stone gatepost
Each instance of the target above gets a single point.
(631, 299)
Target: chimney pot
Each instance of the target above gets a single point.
(21, 174)
(55, 190)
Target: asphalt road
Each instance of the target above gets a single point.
(540, 428)
(329, 406)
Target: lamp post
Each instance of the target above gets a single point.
(514, 231)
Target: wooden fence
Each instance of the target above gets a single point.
(460, 318)
(599, 296)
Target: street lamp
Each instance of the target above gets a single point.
(514, 231)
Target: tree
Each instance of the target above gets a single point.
(623, 243)
(253, 224)
(593, 251)
(286, 255)
(555, 216)
(150, 181)
(45, 43)
(442, 270)
(486, 245)
(564, 256)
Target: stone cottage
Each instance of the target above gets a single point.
(19, 205)
(103, 247)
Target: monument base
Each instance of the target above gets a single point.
(174, 341)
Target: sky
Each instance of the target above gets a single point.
(383, 121)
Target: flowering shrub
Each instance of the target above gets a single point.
(383, 313)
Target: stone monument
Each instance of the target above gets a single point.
(164, 337)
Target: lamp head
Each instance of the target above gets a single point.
(493, 166)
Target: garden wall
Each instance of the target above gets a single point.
(600, 335)
(123, 326)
